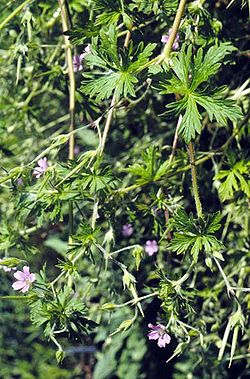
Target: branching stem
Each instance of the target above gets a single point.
(174, 30)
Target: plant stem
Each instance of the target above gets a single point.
(107, 125)
(174, 30)
(134, 301)
(179, 282)
(242, 289)
(123, 249)
(230, 290)
(14, 13)
(198, 205)
(69, 59)
(171, 157)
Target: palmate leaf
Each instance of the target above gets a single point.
(116, 67)
(188, 74)
(207, 65)
(194, 235)
(118, 83)
(150, 169)
(111, 11)
(78, 35)
(219, 109)
(98, 180)
(62, 312)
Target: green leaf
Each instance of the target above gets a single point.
(151, 169)
(187, 75)
(117, 66)
(60, 355)
(191, 121)
(219, 109)
(78, 35)
(205, 66)
(234, 180)
(195, 235)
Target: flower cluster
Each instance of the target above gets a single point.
(165, 38)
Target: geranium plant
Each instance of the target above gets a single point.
(125, 182)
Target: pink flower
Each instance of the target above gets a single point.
(127, 230)
(77, 59)
(165, 38)
(151, 247)
(24, 279)
(41, 168)
(158, 332)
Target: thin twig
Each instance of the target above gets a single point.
(198, 205)
(168, 47)
(230, 290)
(69, 59)
(14, 13)
(175, 139)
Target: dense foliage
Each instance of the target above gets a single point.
(124, 144)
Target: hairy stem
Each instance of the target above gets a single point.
(179, 282)
(198, 205)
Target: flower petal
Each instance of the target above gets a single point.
(37, 172)
(153, 335)
(25, 288)
(41, 162)
(164, 38)
(161, 341)
(82, 56)
(152, 326)
(18, 285)
(167, 338)
(26, 270)
(19, 275)
(32, 278)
